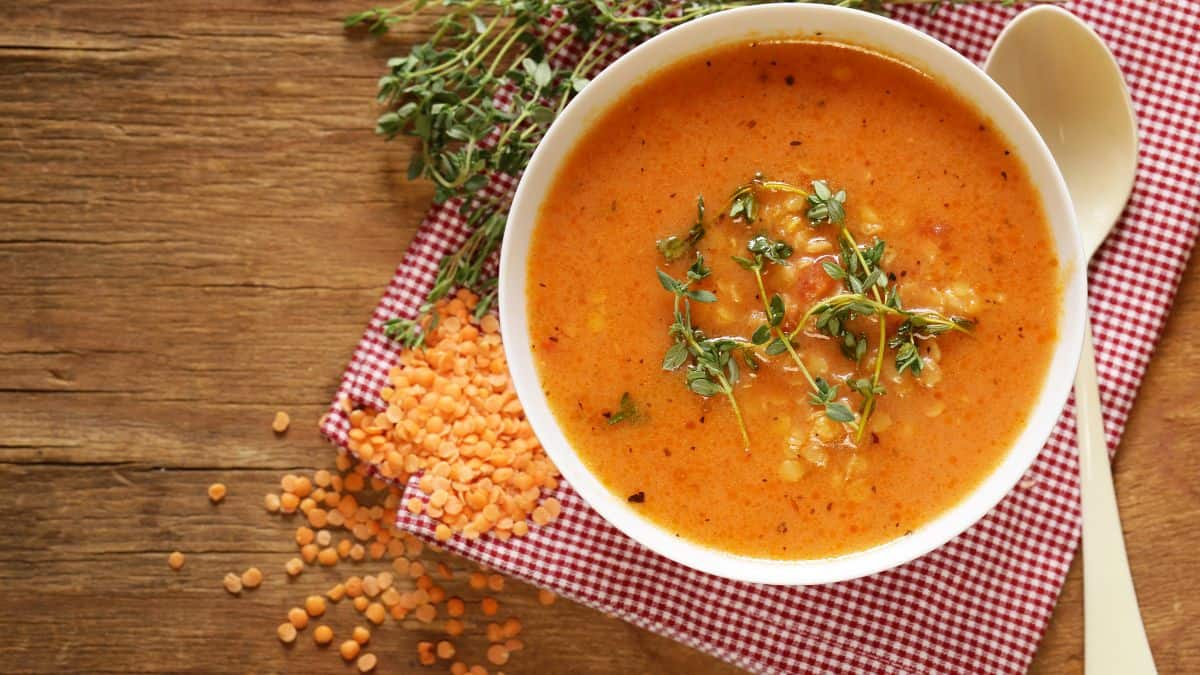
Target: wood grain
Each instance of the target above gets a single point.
(195, 222)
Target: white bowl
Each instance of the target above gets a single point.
(767, 22)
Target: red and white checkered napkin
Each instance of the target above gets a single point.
(980, 603)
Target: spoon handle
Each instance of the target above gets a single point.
(1114, 636)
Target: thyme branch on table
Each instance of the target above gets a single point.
(868, 293)
(443, 93)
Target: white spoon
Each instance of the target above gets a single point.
(1067, 82)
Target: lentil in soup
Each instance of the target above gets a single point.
(829, 358)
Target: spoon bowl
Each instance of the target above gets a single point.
(1069, 85)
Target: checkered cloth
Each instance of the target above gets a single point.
(980, 603)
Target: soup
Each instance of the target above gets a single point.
(792, 300)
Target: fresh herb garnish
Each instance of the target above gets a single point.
(826, 205)
(674, 247)
(711, 368)
(626, 410)
(868, 293)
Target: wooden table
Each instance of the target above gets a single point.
(197, 220)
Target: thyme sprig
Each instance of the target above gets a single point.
(445, 94)
(673, 247)
(711, 366)
(868, 292)
(626, 410)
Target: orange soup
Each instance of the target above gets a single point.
(838, 345)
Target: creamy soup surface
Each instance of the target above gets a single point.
(965, 236)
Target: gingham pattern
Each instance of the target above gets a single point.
(980, 603)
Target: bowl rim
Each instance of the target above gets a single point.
(794, 22)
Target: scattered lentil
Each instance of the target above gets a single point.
(294, 567)
(361, 635)
(309, 552)
(328, 557)
(376, 613)
(281, 422)
(349, 650)
(216, 492)
(366, 663)
(286, 633)
(546, 597)
(175, 560)
(426, 613)
(252, 578)
(497, 655)
(314, 605)
(445, 649)
(298, 617)
(288, 502)
(323, 634)
(233, 583)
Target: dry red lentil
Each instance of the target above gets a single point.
(252, 578)
(281, 422)
(376, 613)
(497, 655)
(216, 492)
(175, 560)
(349, 650)
(286, 633)
(314, 605)
(489, 606)
(298, 617)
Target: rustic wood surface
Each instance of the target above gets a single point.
(196, 222)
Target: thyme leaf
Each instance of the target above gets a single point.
(626, 410)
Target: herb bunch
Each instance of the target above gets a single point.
(478, 95)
